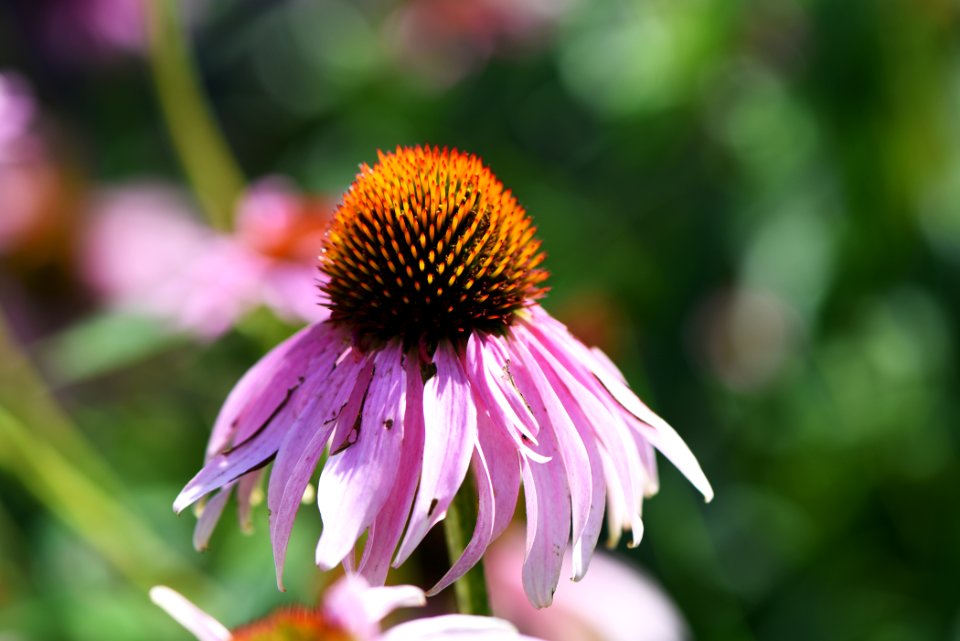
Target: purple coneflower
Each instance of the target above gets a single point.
(436, 360)
(144, 252)
(351, 611)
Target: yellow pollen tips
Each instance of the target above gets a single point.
(427, 245)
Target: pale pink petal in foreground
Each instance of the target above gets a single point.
(351, 610)
(431, 273)
(614, 602)
(147, 252)
(196, 621)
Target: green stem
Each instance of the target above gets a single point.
(24, 394)
(118, 535)
(471, 588)
(203, 152)
(40, 446)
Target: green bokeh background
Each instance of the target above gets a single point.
(753, 206)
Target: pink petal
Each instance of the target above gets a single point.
(542, 395)
(487, 375)
(663, 436)
(482, 532)
(385, 533)
(210, 516)
(503, 463)
(308, 360)
(574, 398)
(668, 442)
(302, 448)
(450, 435)
(224, 468)
(548, 523)
(629, 476)
(269, 384)
(344, 607)
(355, 607)
(196, 621)
(381, 601)
(356, 482)
(250, 385)
(246, 486)
(265, 419)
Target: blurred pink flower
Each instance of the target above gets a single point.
(95, 27)
(614, 602)
(144, 252)
(436, 356)
(744, 336)
(35, 211)
(17, 112)
(351, 611)
(83, 31)
(446, 39)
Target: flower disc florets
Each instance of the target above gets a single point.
(291, 624)
(428, 245)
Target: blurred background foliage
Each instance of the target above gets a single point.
(753, 206)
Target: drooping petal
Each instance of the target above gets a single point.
(387, 528)
(263, 422)
(210, 516)
(487, 376)
(573, 397)
(196, 621)
(662, 435)
(630, 477)
(356, 481)
(294, 381)
(303, 446)
(252, 384)
(482, 532)
(503, 463)
(224, 468)
(247, 486)
(548, 523)
(450, 435)
(543, 396)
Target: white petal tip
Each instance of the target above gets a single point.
(185, 500)
(159, 594)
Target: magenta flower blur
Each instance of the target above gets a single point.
(437, 362)
(351, 611)
(145, 253)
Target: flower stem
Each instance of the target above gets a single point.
(117, 534)
(204, 154)
(471, 588)
(44, 449)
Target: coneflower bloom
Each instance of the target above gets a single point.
(436, 360)
(351, 611)
(145, 253)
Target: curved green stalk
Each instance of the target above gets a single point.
(204, 154)
(45, 451)
(471, 588)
